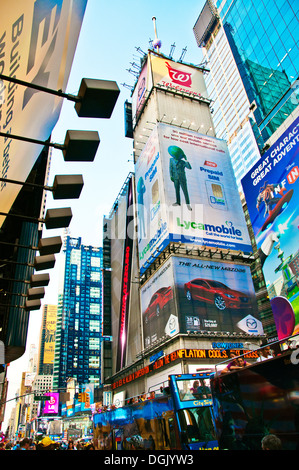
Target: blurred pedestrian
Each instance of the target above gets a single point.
(46, 444)
(271, 442)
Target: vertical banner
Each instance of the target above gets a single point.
(126, 283)
(271, 190)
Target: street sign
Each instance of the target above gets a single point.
(41, 397)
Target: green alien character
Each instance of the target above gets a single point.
(177, 164)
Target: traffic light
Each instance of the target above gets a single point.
(81, 397)
(87, 400)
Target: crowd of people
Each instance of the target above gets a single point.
(46, 444)
(238, 362)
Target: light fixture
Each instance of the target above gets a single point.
(79, 146)
(55, 218)
(32, 304)
(35, 293)
(36, 280)
(95, 99)
(39, 280)
(64, 186)
(44, 262)
(50, 245)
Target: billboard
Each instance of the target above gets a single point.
(159, 315)
(177, 77)
(186, 191)
(187, 294)
(51, 405)
(50, 330)
(37, 45)
(125, 284)
(160, 71)
(271, 189)
(215, 296)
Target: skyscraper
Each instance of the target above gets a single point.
(252, 53)
(79, 316)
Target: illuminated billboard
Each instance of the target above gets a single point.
(186, 191)
(52, 405)
(188, 294)
(37, 45)
(271, 190)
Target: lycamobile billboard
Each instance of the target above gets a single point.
(186, 191)
(271, 190)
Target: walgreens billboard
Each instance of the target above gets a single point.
(271, 190)
(186, 294)
(186, 191)
(159, 71)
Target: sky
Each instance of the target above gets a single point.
(110, 33)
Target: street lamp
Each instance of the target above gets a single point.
(95, 99)
(64, 186)
(55, 218)
(78, 146)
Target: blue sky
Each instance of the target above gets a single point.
(110, 33)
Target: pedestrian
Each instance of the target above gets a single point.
(24, 444)
(71, 445)
(271, 442)
(46, 444)
(265, 353)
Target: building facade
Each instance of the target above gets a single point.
(79, 316)
(252, 53)
(180, 185)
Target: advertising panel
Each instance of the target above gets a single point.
(52, 405)
(152, 210)
(37, 45)
(215, 296)
(50, 330)
(159, 314)
(271, 190)
(178, 77)
(140, 92)
(187, 192)
(126, 284)
(187, 294)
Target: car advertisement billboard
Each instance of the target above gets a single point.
(186, 191)
(271, 190)
(188, 294)
(159, 316)
(37, 45)
(215, 296)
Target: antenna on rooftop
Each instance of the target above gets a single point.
(172, 50)
(183, 54)
(138, 49)
(157, 43)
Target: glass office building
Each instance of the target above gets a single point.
(251, 50)
(79, 316)
(264, 39)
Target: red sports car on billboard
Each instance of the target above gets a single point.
(158, 302)
(217, 293)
